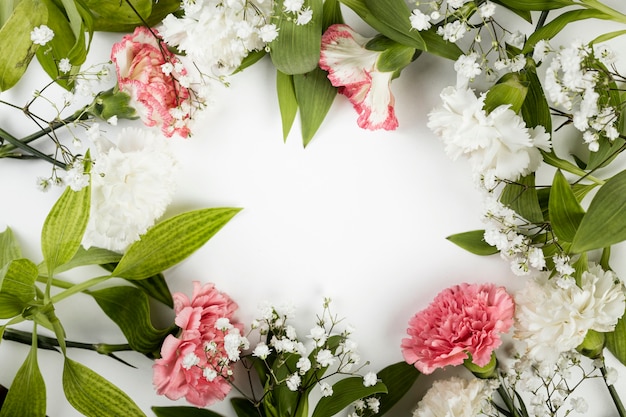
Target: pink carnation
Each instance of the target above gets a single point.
(461, 320)
(352, 68)
(208, 379)
(141, 61)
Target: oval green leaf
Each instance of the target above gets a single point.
(346, 391)
(27, 396)
(565, 211)
(394, 17)
(315, 95)
(287, 102)
(398, 378)
(522, 197)
(64, 227)
(129, 308)
(473, 242)
(171, 241)
(93, 395)
(9, 248)
(605, 223)
(186, 411)
(616, 340)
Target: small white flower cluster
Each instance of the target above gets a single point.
(552, 317)
(507, 231)
(578, 80)
(295, 8)
(41, 35)
(326, 349)
(236, 28)
(365, 407)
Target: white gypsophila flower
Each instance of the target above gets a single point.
(318, 334)
(209, 374)
(190, 360)
(292, 5)
(261, 351)
(303, 365)
(268, 32)
(76, 178)
(517, 63)
(419, 20)
(41, 35)
(43, 184)
(65, 65)
(373, 404)
(325, 358)
(497, 143)
(304, 16)
(132, 184)
(236, 27)
(233, 343)
(370, 379)
(579, 405)
(223, 324)
(552, 319)
(293, 382)
(611, 376)
(467, 68)
(326, 389)
(541, 50)
(455, 397)
(452, 31)
(605, 54)
(112, 120)
(487, 10)
(515, 39)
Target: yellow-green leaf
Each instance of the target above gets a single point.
(287, 102)
(27, 395)
(9, 248)
(16, 48)
(616, 340)
(64, 227)
(93, 395)
(171, 241)
(509, 90)
(565, 211)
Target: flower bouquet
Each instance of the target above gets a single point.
(537, 118)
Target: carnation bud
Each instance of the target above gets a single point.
(593, 345)
(113, 103)
(482, 372)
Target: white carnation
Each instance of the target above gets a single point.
(553, 318)
(455, 397)
(132, 184)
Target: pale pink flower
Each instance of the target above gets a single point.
(461, 320)
(157, 94)
(352, 69)
(208, 379)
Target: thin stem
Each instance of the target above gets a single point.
(508, 402)
(25, 147)
(614, 395)
(52, 126)
(542, 20)
(76, 288)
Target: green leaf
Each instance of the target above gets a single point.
(474, 242)
(18, 279)
(244, 408)
(395, 14)
(185, 411)
(64, 227)
(565, 211)
(155, 287)
(93, 395)
(9, 248)
(171, 241)
(10, 306)
(129, 308)
(436, 45)
(535, 110)
(532, 5)
(6, 8)
(346, 391)
(286, 101)
(27, 396)
(604, 224)
(91, 256)
(509, 90)
(616, 340)
(315, 95)
(608, 36)
(118, 13)
(395, 58)
(16, 48)
(297, 48)
(398, 378)
(522, 197)
(331, 13)
(160, 9)
(550, 30)
(250, 59)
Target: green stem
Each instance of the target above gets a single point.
(76, 288)
(508, 402)
(27, 148)
(614, 395)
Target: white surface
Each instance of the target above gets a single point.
(360, 217)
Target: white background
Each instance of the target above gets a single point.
(358, 216)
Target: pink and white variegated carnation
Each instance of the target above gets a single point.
(498, 144)
(156, 81)
(352, 68)
(553, 315)
(132, 185)
(236, 28)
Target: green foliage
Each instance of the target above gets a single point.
(27, 396)
(297, 49)
(535, 109)
(345, 392)
(474, 242)
(244, 408)
(93, 395)
(533, 5)
(171, 241)
(565, 211)
(17, 289)
(398, 378)
(522, 197)
(9, 248)
(60, 238)
(184, 411)
(287, 101)
(16, 48)
(314, 95)
(129, 308)
(510, 90)
(616, 340)
(604, 223)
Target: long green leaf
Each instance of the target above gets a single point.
(91, 256)
(535, 110)
(171, 241)
(473, 242)
(616, 340)
(160, 9)
(287, 102)
(244, 408)
(16, 48)
(565, 211)
(6, 8)
(27, 396)
(119, 12)
(509, 90)
(395, 14)
(315, 95)
(331, 13)
(522, 197)
(9, 248)
(18, 279)
(93, 395)
(185, 411)
(64, 227)
(535, 5)
(398, 378)
(605, 223)
(297, 48)
(346, 391)
(129, 308)
(436, 45)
